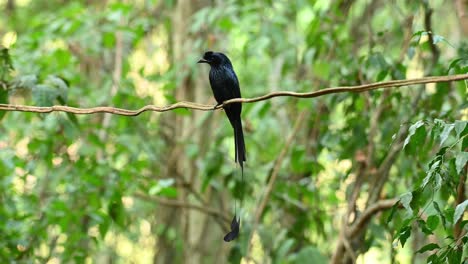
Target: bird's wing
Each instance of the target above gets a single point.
(232, 84)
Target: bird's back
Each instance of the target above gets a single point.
(224, 83)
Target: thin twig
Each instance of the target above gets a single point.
(349, 249)
(181, 204)
(428, 26)
(368, 213)
(204, 107)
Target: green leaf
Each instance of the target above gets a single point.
(446, 132)
(428, 247)
(437, 181)
(454, 64)
(461, 160)
(104, 227)
(412, 131)
(450, 213)
(116, 209)
(285, 247)
(405, 233)
(297, 159)
(433, 259)
(164, 187)
(460, 126)
(454, 255)
(108, 39)
(382, 75)
(392, 212)
(416, 202)
(432, 222)
(170, 192)
(465, 238)
(424, 227)
(225, 23)
(418, 35)
(441, 214)
(459, 210)
(435, 167)
(405, 200)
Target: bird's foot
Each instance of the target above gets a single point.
(217, 105)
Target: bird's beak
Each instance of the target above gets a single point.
(202, 61)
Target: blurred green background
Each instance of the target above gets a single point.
(323, 175)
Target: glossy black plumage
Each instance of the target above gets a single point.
(234, 230)
(225, 86)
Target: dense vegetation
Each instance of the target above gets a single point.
(377, 176)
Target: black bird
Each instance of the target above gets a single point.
(225, 86)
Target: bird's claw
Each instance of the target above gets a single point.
(216, 106)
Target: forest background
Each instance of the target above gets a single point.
(373, 177)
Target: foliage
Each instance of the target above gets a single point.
(427, 204)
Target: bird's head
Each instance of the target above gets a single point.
(215, 59)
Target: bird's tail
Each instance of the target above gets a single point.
(239, 146)
(239, 143)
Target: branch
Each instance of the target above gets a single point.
(350, 232)
(204, 107)
(175, 203)
(368, 213)
(428, 26)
